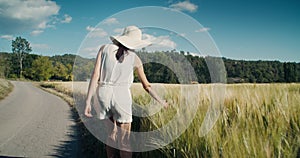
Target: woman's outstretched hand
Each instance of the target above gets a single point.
(87, 111)
(165, 104)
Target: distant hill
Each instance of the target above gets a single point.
(161, 67)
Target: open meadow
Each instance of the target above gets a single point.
(256, 120)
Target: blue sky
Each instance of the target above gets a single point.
(241, 29)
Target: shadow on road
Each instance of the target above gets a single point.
(72, 147)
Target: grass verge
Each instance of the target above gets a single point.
(5, 88)
(53, 89)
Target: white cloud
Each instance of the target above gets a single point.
(17, 16)
(35, 16)
(7, 37)
(90, 28)
(182, 34)
(184, 6)
(90, 51)
(110, 21)
(67, 19)
(42, 25)
(204, 29)
(96, 32)
(159, 43)
(36, 32)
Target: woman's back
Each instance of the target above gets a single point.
(113, 71)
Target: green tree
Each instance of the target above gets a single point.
(41, 69)
(20, 47)
(5, 64)
(290, 72)
(70, 75)
(27, 63)
(60, 71)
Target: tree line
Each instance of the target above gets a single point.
(60, 67)
(160, 67)
(237, 71)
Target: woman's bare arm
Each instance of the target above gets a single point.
(93, 83)
(146, 84)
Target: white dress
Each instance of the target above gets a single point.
(113, 87)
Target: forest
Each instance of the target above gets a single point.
(157, 65)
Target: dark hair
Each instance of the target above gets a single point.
(121, 51)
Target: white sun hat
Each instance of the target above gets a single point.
(131, 38)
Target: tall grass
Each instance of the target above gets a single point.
(256, 120)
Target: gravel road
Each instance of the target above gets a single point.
(34, 123)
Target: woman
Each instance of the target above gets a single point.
(111, 79)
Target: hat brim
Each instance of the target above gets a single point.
(130, 43)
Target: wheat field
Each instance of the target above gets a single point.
(255, 120)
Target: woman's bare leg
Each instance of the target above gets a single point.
(111, 140)
(124, 140)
